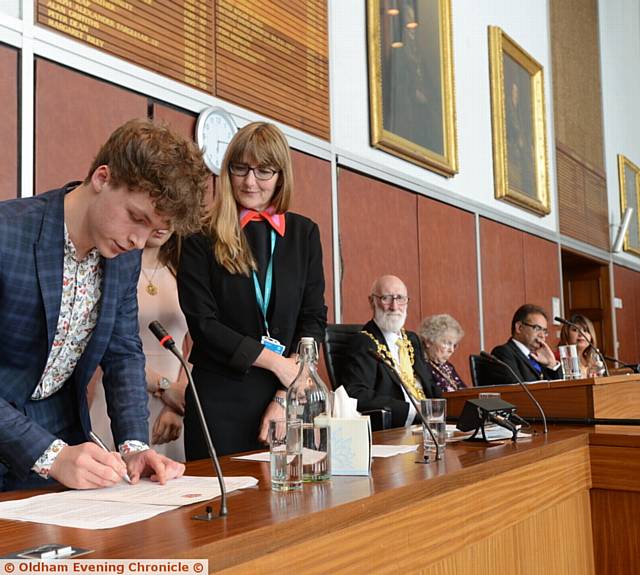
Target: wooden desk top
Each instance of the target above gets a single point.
(261, 521)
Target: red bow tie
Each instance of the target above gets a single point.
(276, 221)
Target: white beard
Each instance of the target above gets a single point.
(390, 321)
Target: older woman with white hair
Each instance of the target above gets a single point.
(440, 335)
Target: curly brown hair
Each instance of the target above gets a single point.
(149, 157)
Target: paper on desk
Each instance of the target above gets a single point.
(309, 456)
(182, 491)
(391, 450)
(53, 509)
(85, 509)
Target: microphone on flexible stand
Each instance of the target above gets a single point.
(167, 342)
(587, 339)
(634, 366)
(415, 406)
(494, 359)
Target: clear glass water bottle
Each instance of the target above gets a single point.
(309, 400)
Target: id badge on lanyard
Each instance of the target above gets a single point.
(263, 301)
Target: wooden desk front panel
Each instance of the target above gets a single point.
(617, 400)
(570, 402)
(614, 397)
(615, 500)
(483, 525)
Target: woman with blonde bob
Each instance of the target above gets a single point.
(440, 335)
(250, 286)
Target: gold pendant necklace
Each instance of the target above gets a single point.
(151, 288)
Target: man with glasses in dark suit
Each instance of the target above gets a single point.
(384, 356)
(527, 352)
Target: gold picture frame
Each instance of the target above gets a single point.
(411, 86)
(629, 178)
(519, 125)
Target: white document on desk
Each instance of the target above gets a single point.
(376, 451)
(391, 450)
(86, 509)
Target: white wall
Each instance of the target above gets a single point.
(620, 52)
(526, 21)
(10, 7)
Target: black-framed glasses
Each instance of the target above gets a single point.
(260, 172)
(536, 328)
(388, 298)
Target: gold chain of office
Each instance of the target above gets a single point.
(384, 354)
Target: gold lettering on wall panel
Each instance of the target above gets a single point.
(171, 37)
(272, 57)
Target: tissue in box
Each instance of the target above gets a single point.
(351, 446)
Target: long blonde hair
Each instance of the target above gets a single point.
(587, 326)
(260, 144)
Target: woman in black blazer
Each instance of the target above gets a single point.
(250, 285)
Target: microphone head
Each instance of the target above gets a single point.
(161, 334)
(562, 320)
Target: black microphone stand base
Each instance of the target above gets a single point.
(428, 458)
(209, 515)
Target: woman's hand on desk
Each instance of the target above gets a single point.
(87, 466)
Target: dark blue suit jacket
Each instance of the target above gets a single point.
(31, 260)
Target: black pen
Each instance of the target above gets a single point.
(102, 445)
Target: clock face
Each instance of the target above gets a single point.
(214, 131)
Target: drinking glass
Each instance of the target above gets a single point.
(285, 444)
(435, 414)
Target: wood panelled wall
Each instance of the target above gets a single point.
(517, 268)
(74, 116)
(578, 121)
(378, 236)
(312, 198)
(449, 272)
(9, 114)
(627, 288)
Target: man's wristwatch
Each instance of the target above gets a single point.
(164, 384)
(279, 400)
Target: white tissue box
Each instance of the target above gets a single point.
(351, 446)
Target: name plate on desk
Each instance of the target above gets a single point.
(351, 446)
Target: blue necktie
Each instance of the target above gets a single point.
(535, 364)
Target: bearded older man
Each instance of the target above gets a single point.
(384, 356)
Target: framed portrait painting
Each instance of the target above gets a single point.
(629, 176)
(411, 89)
(518, 125)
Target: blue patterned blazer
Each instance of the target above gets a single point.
(31, 260)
